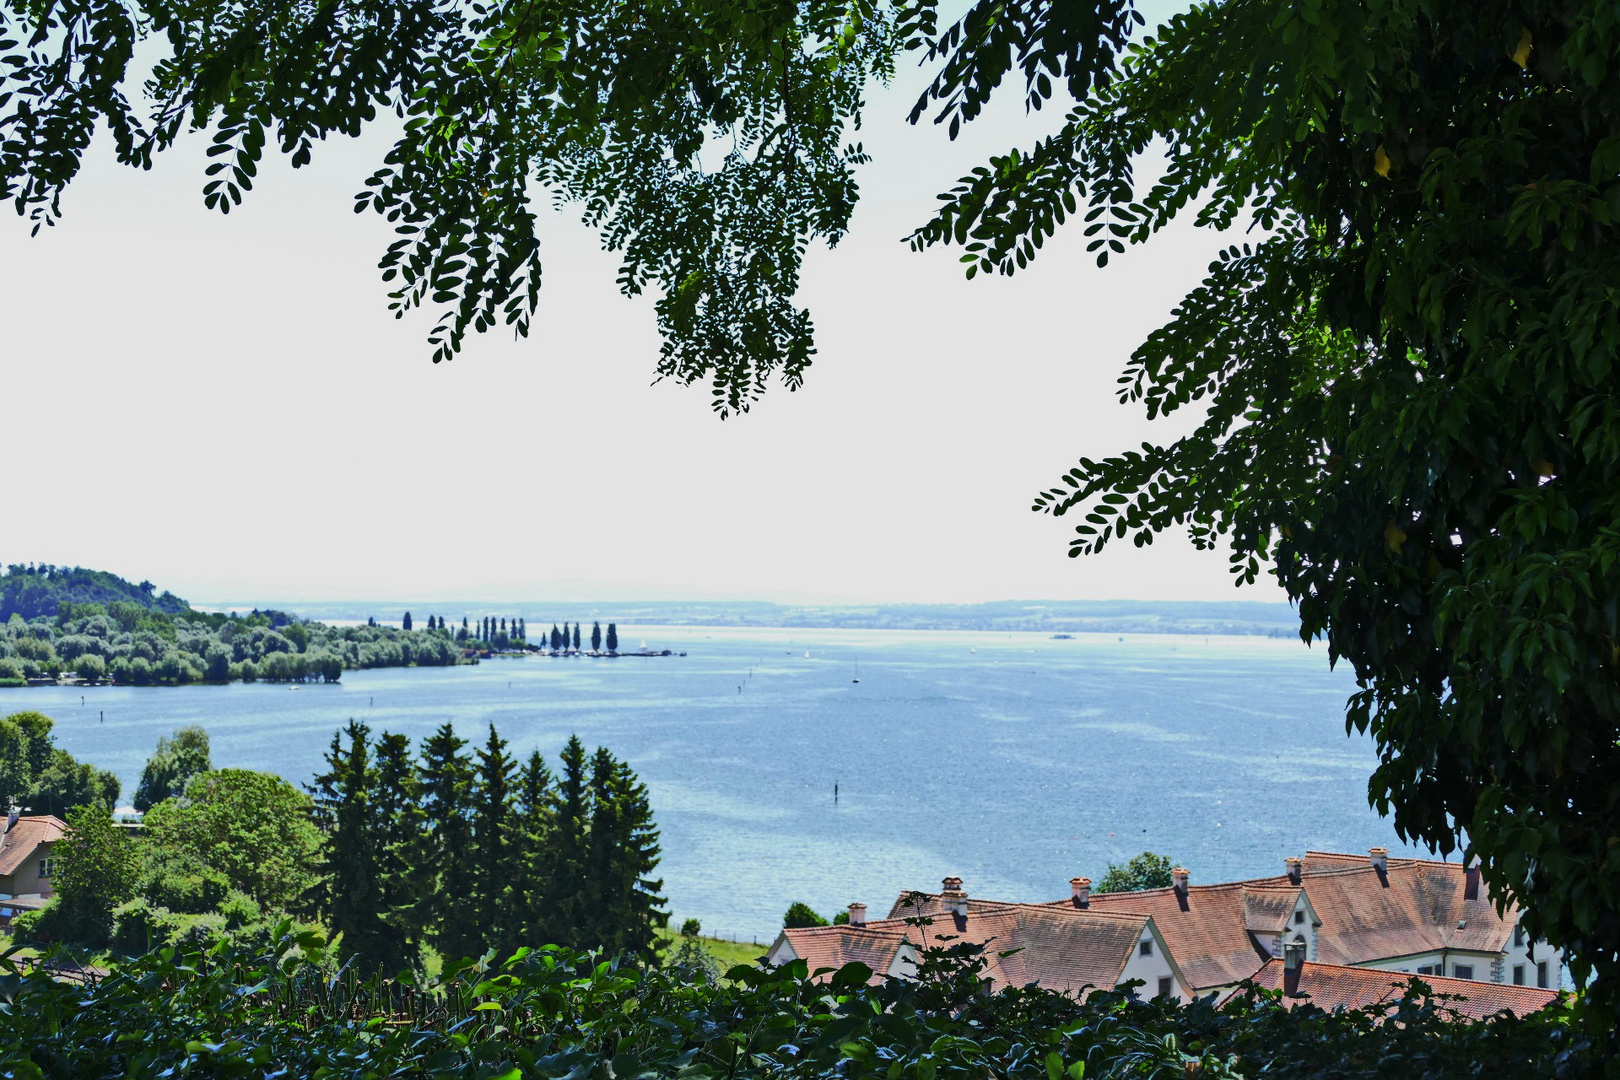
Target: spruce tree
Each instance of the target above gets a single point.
(489, 880)
(612, 638)
(596, 637)
(624, 907)
(348, 897)
(533, 854)
(446, 779)
(399, 819)
(567, 915)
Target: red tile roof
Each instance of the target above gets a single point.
(1056, 948)
(22, 838)
(1331, 986)
(1207, 928)
(1413, 906)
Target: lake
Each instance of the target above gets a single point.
(1013, 761)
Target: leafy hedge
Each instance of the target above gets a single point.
(568, 1016)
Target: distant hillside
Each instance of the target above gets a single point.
(31, 590)
(1045, 616)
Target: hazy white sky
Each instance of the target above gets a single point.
(224, 405)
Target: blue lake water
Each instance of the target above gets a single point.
(1013, 761)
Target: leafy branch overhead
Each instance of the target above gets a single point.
(706, 142)
(1404, 378)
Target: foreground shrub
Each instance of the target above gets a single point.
(554, 1013)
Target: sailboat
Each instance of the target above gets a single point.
(857, 677)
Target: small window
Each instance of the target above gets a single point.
(1518, 937)
(1146, 947)
(1518, 974)
(1426, 969)
(1164, 986)
(1299, 917)
(1463, 971)
(1541, 975)
(47, 867)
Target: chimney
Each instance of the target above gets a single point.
(955, 899)
(1378, 857)
(1293, 963)
(11, 820)
(1179, 876)
(1081, 887)
(1293, 866)
(1471, 880)
(857, 914)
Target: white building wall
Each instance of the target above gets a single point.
(1150, 969)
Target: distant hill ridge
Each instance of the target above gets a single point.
(30, 590)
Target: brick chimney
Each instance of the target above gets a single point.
(953, 895)
(1378, 858)
(857, 914)
(1293, 963)
(1081, 887)
(1180, 877)
(1294, 867)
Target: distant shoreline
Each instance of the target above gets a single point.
(1192, 617)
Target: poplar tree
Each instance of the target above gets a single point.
(405, 623)
(596, 637)
(612, 638)
(576, 637)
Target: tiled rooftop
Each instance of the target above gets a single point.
(1331, 986)
(22, 838)
(1058, 949)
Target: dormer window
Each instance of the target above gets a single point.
(1299, 917)
(47, 867)
(1146, 947)
(1518, 937)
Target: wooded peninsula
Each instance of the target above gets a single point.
(88, 627)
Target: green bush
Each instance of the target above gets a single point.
(284, 1011)
(25, 927)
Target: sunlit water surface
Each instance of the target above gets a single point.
(1011, 760)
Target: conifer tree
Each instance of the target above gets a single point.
(446, 780)
(596, 637)
(488, 883)
(566, 911)
(556, 638)
(576, 637)
(532, 853)
(612, 638)
(399, 820)
(623, 905)
(349, 896)
(405, 624)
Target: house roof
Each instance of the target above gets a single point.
(1207, 928)
(834, 946)
(27, 834)
(1058, 949)
(1332, 986)
(1412, 906)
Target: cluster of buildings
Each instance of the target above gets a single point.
(1332, 929)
